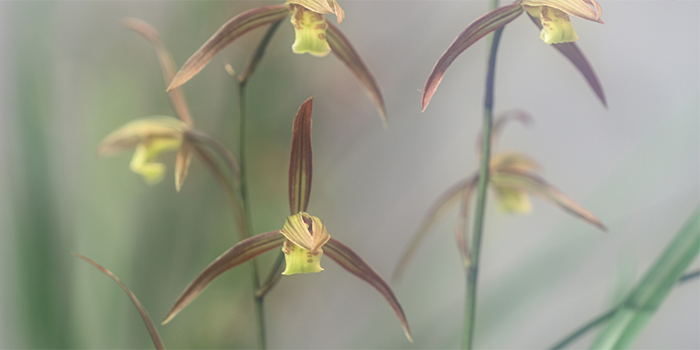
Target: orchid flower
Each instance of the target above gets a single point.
(551, 16)
(304, 238)
(513, 177)
(153, 136)
(314, 35)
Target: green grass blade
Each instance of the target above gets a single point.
(645, 298)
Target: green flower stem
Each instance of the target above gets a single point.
(607, 316)
(473, 269)
(247, 217)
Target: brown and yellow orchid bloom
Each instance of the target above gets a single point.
(551, 16)
(303, 238)
(314, 35)
(152, 136)
(513, 178)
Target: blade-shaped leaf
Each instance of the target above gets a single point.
(167, 65)
(537, 186)
(152, 330)
(300, 160)
(238, 254)
(182, 164)
(645, 298)
(352, 262)
(341, 47)
(574, 54)
(462, 229)
(229, 32)
(439, 209)
(475, 31)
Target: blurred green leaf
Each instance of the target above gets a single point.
(644, 300)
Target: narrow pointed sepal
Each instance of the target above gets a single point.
(352, 262)
(167, 65)
(526, 181)
(150, 326)
(229, 32)
(182, 164)
(438, 210)
(574, 54)
(238, 254)
(341, 47)
(475, 31)
(300, 160)
(462, 229)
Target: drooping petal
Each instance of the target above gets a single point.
(132, 133)
(352, 262)
(341, 47)
(305, 231)
(475, 31)
(238, 254)
(574, 54)
(578, 8)
(182, 164)
(299, 260)
(300, 160)
(534, 184)
(462, 230)
(439, 209)
(150, 326)
(229, 32)
(167, 65)
(309, 31)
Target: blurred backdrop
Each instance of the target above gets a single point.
(70, 74)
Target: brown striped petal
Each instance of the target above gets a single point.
(152, 330)
(475, 31)
(574, 54)
(341, 47)
(229, 32)
(535, 185)
(238, 254)
(352, 262)
(300, 160)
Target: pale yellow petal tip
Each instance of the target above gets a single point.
(310, 32)
(556, 26)
(300, 260)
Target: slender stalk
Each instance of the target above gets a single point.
(473, 269)
(248, 223)
(607, 316)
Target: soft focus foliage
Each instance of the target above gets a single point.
(71, 74)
